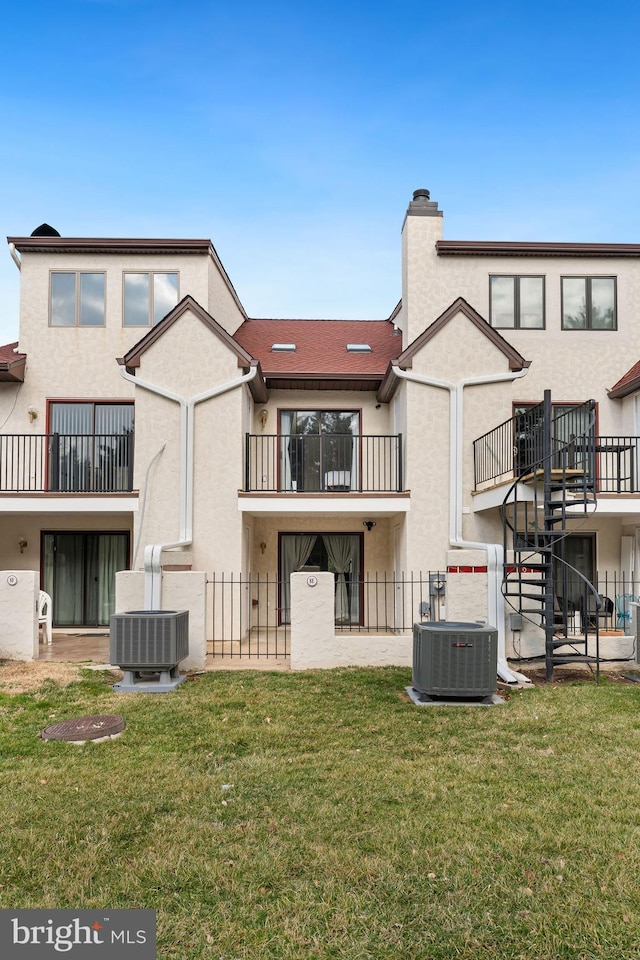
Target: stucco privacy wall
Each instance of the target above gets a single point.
(180, 591)
(314, 643)
(19, 590)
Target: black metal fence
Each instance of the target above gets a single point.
(250, 616)
(66, 463)
(326, 463)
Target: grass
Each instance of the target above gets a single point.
(321, 815)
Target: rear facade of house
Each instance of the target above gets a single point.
(496, 405)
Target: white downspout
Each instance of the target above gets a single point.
(153, 552)
(14, 256)
(495, 552)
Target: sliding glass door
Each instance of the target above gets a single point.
(91, 446)
(319, 450)
(340, 554)
(79, 573)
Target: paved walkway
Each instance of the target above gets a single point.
(93, 647)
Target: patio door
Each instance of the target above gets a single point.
(79, 573)
(340, 554)
(319, 450)
(90, 446)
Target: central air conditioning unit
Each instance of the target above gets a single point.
(149, 642)
(455, 660)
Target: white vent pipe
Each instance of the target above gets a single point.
(495, 551)
(153, 552)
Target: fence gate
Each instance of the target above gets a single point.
(247, 616)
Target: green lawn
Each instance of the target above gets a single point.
(323, 815)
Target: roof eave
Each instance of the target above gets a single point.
(624, 390)
(508, 248)
(13, 372)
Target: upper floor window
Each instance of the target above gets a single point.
(589, 303)
(517, 302)
(148, 297)
(77, 299)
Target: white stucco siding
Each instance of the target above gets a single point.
(28, 527)
(377, 544)
(81, 361)
(458, 351)
(222, 302)
(575, 364)
(427, 476)
(374, 422)
(189, 359)
(219, 446)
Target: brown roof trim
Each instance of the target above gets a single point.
(131, 359)
(390, 382)
(516, 360)
(508, 248)
(394, 313)
(624, 387)
(388, 386)
(617, 393)
(110, 245)
(298, 375)
(12, 370)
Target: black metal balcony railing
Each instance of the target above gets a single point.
(66, 463)
(510, 450)
(323, 463)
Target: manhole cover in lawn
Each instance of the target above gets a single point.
(85, 728)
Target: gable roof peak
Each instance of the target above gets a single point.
(460, 305)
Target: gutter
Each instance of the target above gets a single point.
(495, 551)
(153, 552)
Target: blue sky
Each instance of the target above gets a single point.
(293, 134)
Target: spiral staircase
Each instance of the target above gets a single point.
(555, 486)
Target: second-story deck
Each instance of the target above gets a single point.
(66, 463)
(323, 463)
(608, 464)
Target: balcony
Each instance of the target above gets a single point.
(609, 464)
(323, 464)
(65, 463)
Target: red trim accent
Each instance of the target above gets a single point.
(466, 569)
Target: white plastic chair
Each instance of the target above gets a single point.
(44, 615)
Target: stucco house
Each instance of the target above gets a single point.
(148, 423)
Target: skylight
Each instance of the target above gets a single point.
(283, 347)
(358, 348)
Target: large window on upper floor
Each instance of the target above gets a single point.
(76, 299)
(589, 303)
(148, 297)
(516, 302)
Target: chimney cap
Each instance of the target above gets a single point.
(422, 205)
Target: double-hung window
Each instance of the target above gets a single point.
(77, 299)
(148, 297)
(589, 303)
(516, 302)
